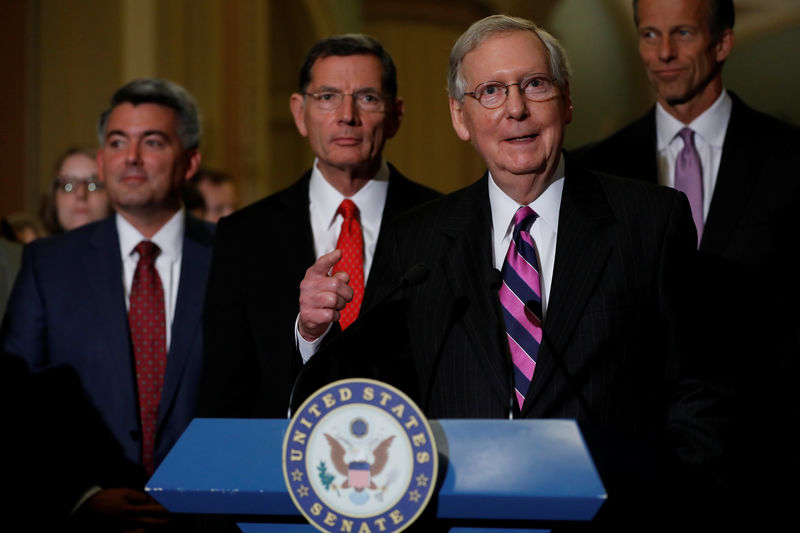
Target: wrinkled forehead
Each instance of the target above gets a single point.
(510, 52)
(350, 71)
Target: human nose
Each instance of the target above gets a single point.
(133, 154)
(81, 190)
(348, 110)
(516, 103)
(665, 49)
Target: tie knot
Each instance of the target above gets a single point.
(687, 134)
(523, 218)
(148, 251)
(347, 209)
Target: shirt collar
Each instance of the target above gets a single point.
(547, 205)
(710, 125)
(169, 238)
(370, 199)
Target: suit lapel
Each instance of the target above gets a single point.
(472, 278)
(397, 202)
(103, 266)
(739, 165)
(581, 254)
(187, 322)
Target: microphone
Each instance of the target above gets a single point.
(413, 277)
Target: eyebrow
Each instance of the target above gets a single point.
(329, 89)
(146, 133)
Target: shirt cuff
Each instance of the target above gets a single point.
(307, 348)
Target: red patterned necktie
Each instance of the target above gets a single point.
(521, 300)
(351, 243)
(147, 322)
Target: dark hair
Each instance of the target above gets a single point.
(216, 177)
(162, 92)
(49, 210)
(721, 16)
(351, 44)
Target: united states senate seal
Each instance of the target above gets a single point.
(359, 456)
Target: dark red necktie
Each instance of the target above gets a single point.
(351, 243)
(147, 322)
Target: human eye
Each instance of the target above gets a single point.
(115, 142)
(154, 141)
(325, 97)
(647, 35)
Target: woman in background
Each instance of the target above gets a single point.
(76, 196)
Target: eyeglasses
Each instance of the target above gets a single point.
(535, 87)
(369, 101)
(72, 183)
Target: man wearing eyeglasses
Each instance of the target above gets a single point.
(552, 291)
(285, 273)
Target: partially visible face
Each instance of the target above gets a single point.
(678, 52)
(142, 162)
(520, 137)
(220, 199)
(80, 206)
(346, 138)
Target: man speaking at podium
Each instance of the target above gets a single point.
(552, 291)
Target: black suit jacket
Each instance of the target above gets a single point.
(746, 285)
(261, 255)
(610, 356)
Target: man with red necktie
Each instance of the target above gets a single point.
(294, 269)
(119, 302)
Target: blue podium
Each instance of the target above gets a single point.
(512, 475)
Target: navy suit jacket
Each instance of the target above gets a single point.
(261, 254)
(67, 308)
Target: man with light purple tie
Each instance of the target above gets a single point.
(738, 167)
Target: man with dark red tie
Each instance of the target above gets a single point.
(119, 301)
(294, 269)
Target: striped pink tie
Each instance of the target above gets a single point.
(521, 300)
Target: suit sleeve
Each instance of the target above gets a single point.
(24, 330)
(230, 373)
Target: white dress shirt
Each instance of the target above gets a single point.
(544, 229)
(326, 223)
(168, 263)
(709, 136)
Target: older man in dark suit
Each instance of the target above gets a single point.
(119, 302)
(747, 197)
(271, 300)
(552, 291)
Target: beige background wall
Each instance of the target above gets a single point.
(63, 59)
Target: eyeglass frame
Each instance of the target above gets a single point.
(92, 183)
(532, 76)
(384, 100)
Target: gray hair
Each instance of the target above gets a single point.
(161, 92)
(494, 25)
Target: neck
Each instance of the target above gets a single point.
(687, 111)
(147, 223)
(349, 180)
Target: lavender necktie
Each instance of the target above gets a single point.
(689, 178)
(520, 298)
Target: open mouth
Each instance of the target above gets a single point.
(522, 138)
